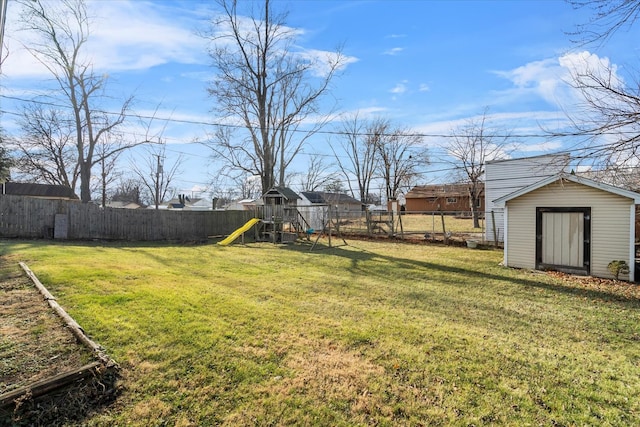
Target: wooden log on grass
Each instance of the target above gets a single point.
(42, 387)
(75, 328)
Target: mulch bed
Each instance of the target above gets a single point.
(617, 289)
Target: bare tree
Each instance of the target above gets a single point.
(401, 157)
(155, 176)
(247, 186)
(268, 86)
(6, 161)
(607, 117)
(469, 148)
(45, 151)
(335, 185)
(63, 30)
(128, 190)
(608, 17)
(358, 143)
(317, 175)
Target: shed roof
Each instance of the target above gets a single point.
(322, 197)
(39, 190)
(500, 202)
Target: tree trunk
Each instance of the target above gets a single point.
(473, 199)
(85, 182)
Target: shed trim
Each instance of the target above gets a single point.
(586, 241)
(632, 244)
(500, 202)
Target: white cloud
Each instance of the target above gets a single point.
(364, 113)
(546, 146)
(323, 60)
(550, 79)
(393, 51)
(542, 78)
(399, 88)
(125, 35)
(514, 123)
(136, 35)
(424, 87)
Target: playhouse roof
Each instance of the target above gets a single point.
(285, 192)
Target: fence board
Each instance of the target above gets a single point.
(29, 217)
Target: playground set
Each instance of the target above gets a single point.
(279, 221)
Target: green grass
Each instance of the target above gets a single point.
(366, 334)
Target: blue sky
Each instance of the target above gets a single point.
(428, 65)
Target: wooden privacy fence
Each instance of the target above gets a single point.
(42, 218)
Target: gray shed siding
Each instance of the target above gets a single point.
(504, 177)
(610, 224)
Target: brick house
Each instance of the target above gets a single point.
(445, 197)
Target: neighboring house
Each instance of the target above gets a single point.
(123, 205)
(43, 191)
(344, 203)
(241, 205)
(445, 197)
(503, 177)
(314, 207)
(188, 204)
(569, 223)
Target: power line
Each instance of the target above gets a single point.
(323, 132)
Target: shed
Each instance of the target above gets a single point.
(503, 177)
(314, 204)
(569, 223)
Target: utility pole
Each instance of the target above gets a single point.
(104, 183)
(158, 174)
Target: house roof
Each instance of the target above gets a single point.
(123, 205)
(561, 155)
(285, 192)
(500, 202)
(439, 190)
(322, 197)
(39, 190)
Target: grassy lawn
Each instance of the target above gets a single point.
(366, 334)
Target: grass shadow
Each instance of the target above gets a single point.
(361, 255)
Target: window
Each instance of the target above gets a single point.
(451, 200)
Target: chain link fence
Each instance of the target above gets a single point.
(443, 226)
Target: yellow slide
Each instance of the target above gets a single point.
(233, 236)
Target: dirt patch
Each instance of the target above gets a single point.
(321, 370)
(35, 345)
(614, 288)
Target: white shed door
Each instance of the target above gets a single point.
(563, 238)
